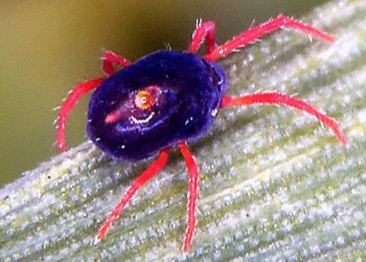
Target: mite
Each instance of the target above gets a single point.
(169, 98)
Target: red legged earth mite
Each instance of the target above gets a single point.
(169, 98)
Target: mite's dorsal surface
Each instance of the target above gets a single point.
(184, 91)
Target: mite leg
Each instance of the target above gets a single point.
(154, 168)
(109, 59)
(256, 32)
(203, 31)
(278, 98)
(67, 106)
(192, 195)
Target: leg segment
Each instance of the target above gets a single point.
(149, 173)
(204, 30)
(192, 195)
(256, 32)
(109, 59)
(278, 98)
(69, 103)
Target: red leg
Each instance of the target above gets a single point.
(256, 32)
(277, 98)
(109, 59)
(149, 173)
(192, 195)
(204, 30)
(69, 103)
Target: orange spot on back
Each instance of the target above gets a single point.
(139, 102)
(144, 99)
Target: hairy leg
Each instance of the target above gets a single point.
(203, 31)
(109, 59)
(67, 106)
(256, 32)
(278, 98)
(154, 168)
(192, 195)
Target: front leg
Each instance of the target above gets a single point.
(109, 59)
(203, 31)
(68, 105)
(256, 32)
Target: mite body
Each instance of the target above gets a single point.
(163, 98)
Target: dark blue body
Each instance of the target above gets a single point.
(191, 92)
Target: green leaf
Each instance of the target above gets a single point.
(274, 184)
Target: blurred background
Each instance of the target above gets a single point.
(48, 47)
